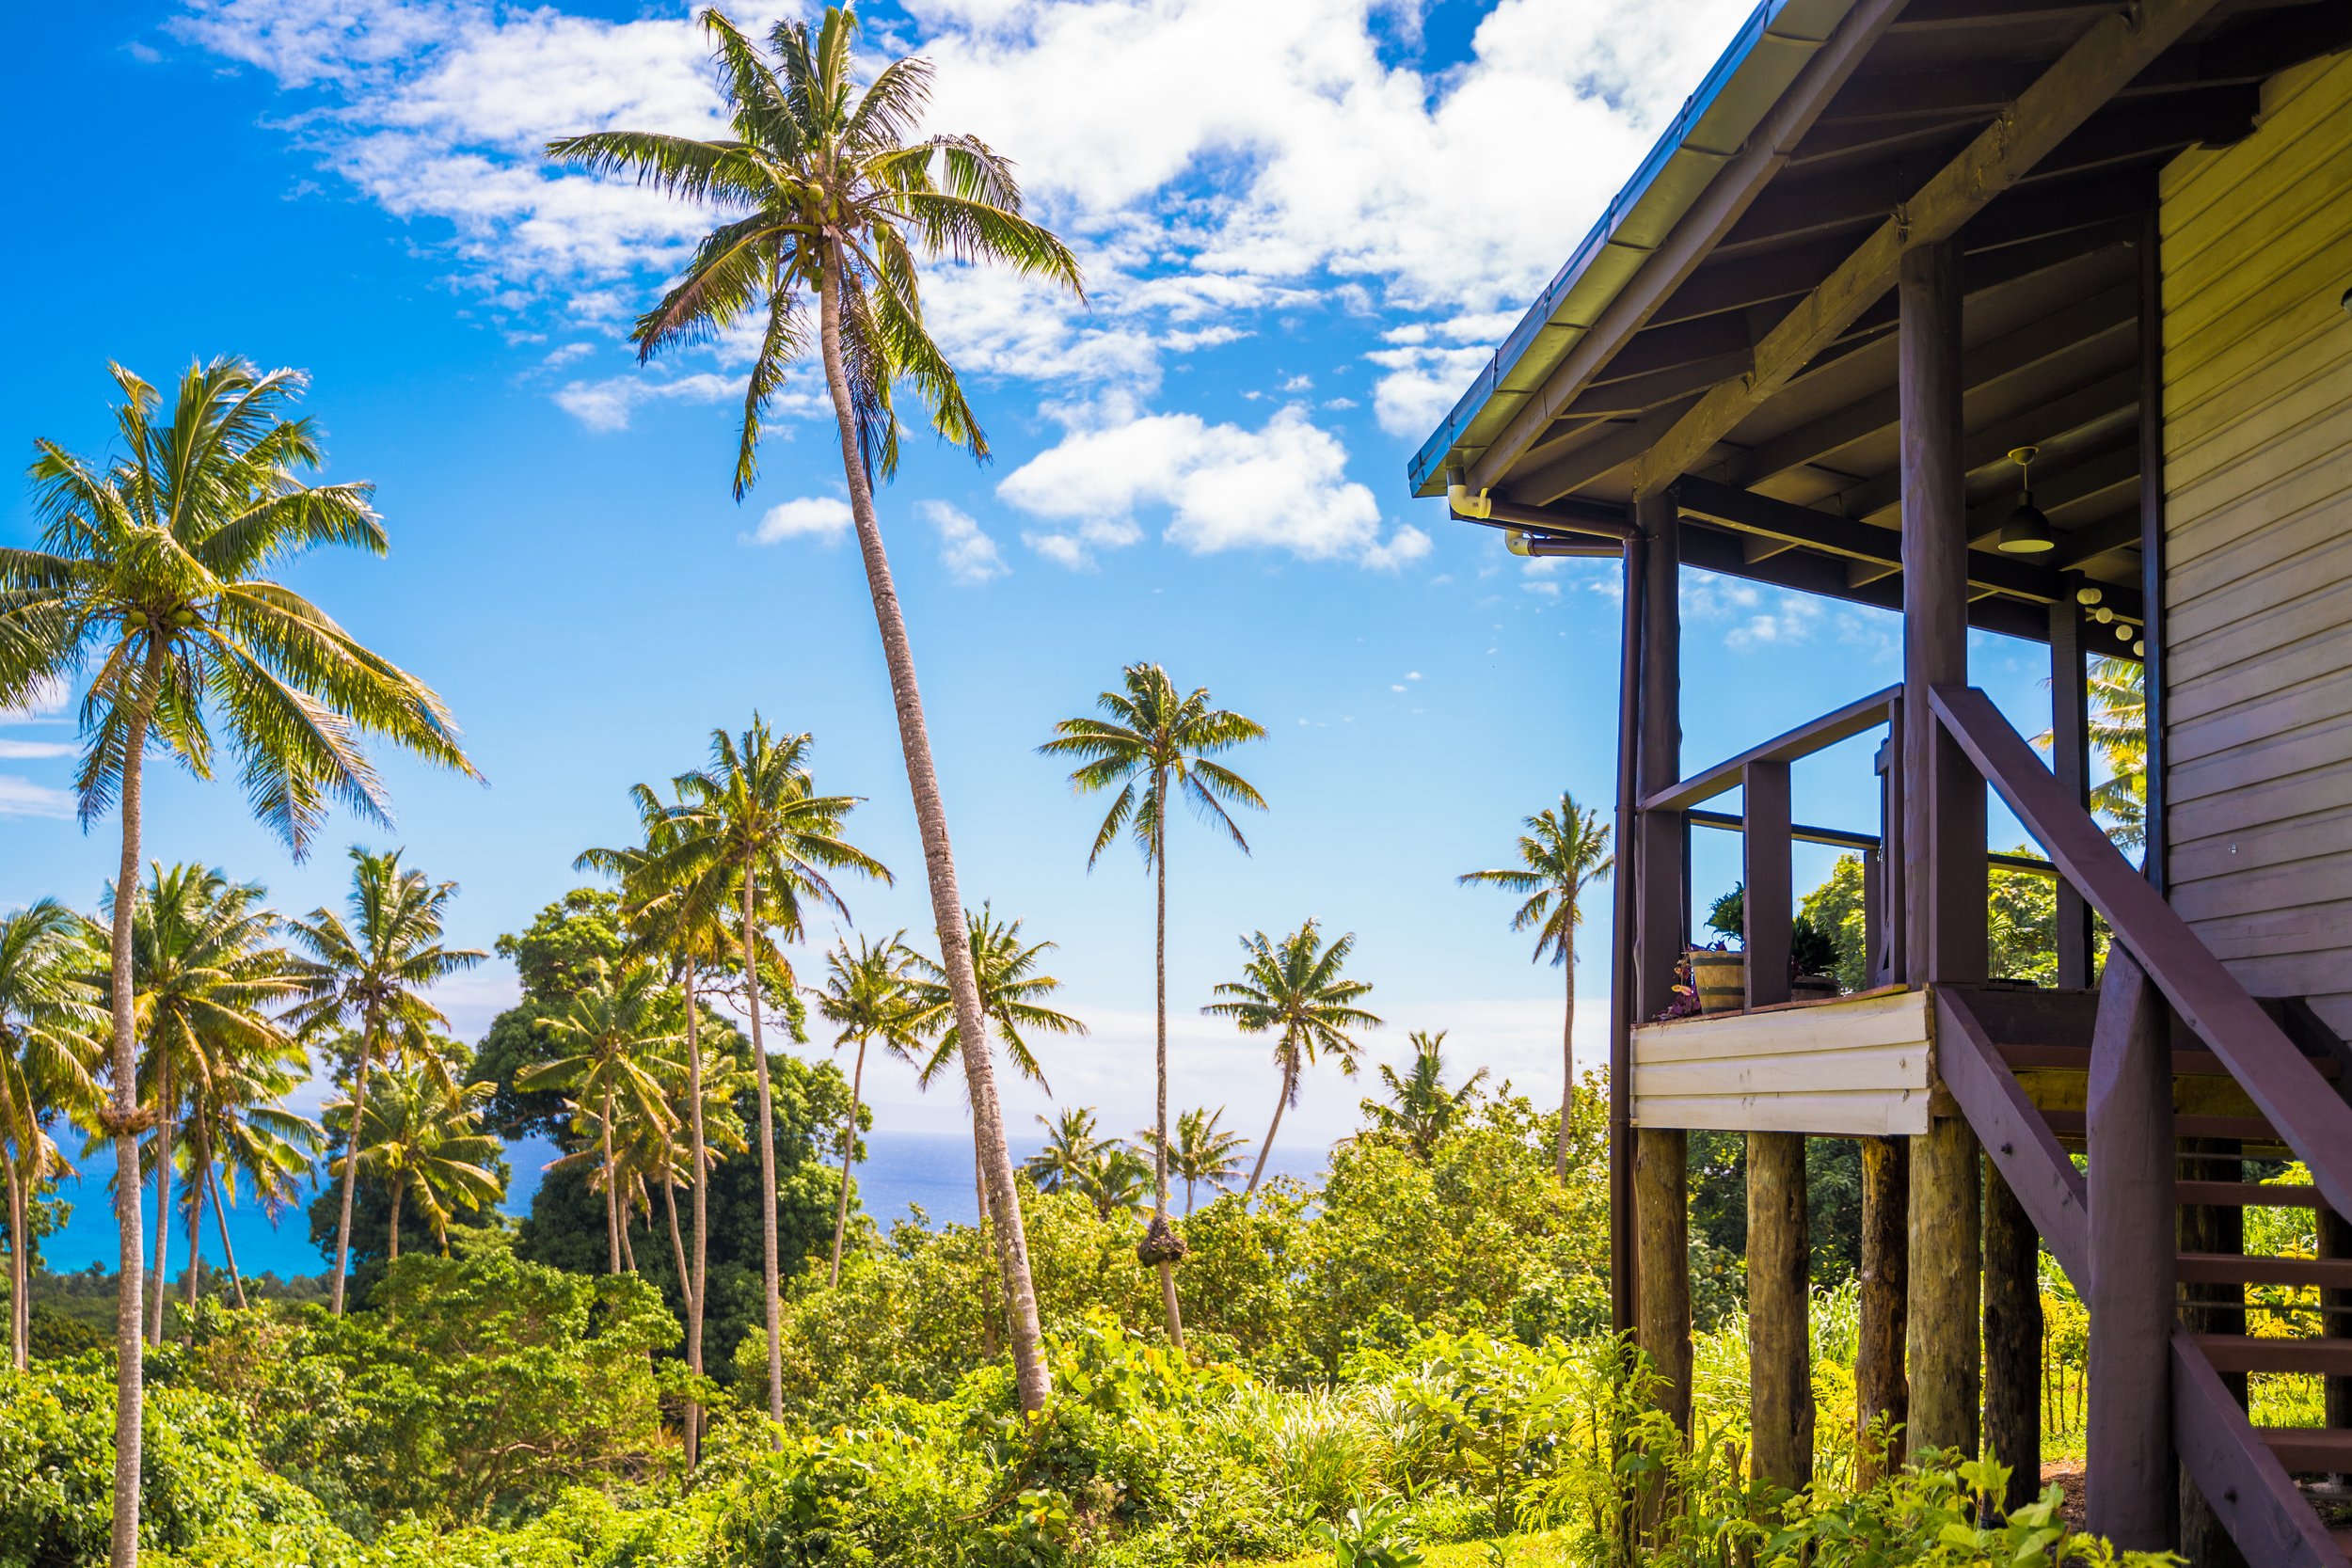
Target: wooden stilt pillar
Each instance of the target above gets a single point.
(2129, 1445)
(1624, 998)
(2070, 759)
(1944, 893)
(1880, 1391)
(1662, 1155)
(2012, 1340)
(1780, 1367)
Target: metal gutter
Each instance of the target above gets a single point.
(1772, 46)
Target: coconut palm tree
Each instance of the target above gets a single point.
(751, 826)
(1114, 1178)
(830, 199)
(1565, 850)
(367, 977)
(616, 1038)
(1155, 744)
(208, 973)
(1293, 991)
(1070, 1143)
(869, 997)
(1203, 1151)
(243, 1139)
(52, 1024)
(153, 567)
(1422, 1108)
(420, 1135)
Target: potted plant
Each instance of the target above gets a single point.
(1812, 962)
(1718, 973)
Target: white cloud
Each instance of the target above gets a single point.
(1282, 486)
(1421, 384)
(33, 751)
(965, 549)
(822, 517)
(607, 406)
(21, 797)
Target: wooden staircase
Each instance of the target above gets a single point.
(2247, 1082)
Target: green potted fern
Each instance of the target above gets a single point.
(1720, 974)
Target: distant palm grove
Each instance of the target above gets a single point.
(695, 1346)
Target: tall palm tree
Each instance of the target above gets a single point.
(1565, 850)
(1155, 744)
(420, 1135)
(1422, 1108)
(1113, 1178)
(209, 974)
(368, 977)
(869, 997)
(1071, 1142)
(51, 1040)
(154, 566)
(242, 1138)
(829, 201)
(2118, 731)
(1293, 991)
(1203, 1151)
(615, 1040)
(751, 824)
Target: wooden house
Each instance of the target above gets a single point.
(1887, 243)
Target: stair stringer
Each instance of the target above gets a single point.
(2251, 1492)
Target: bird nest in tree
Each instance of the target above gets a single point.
(1160, 1243)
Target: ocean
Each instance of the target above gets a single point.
(930, 1170)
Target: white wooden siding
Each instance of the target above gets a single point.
(2257, 549)
(1852, 1068)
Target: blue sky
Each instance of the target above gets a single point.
(1304, 222)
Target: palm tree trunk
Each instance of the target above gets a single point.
(399, 1191)
(1290, 1081)
(130, 1369)
(849, 1151)
(931, 815)
(669, 1204)
(19, 1275)
(202, 1162)
(1159, 971)
(771, 1282)
(1568, 1060)
(992, 1344)
(628, 1249)
(702, 1213)
(351, 1158)
(163, 1193)
(612, 1187)
(228, 1247)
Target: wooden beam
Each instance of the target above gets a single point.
(1787, 273)
(1623, 1296)
(2114, 472)
(2159, 699)
(2104, 403)
(2129, 1127)
(1661, 1185)
(1638, 394)
(1620, 444)
(1726, 198)
(1861, 715)
(2070, 757)
(1766, 915)
(2012, 1340)
(1882, 1395)
(1780, 1376)
(2107, 55)
(1710, 547)
(2082, 546)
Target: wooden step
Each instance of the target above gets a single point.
(2324, 1449)
(2247, 1353)
(2230, 1268)
(2186, 1064)
(2247, 1195)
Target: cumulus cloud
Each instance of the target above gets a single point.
(1280, 487)
(21, 797)
(821, 518)
(607, 406)
(34, 751)
(965, 548)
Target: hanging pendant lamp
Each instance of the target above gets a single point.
(2028, 531)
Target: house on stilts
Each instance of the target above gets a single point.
(1887, 245)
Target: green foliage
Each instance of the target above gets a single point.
(1834, 910)
(1373, 1536)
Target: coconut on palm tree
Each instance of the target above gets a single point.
(52, 1022)
(1203, 1151)
(1565, 850)
(1295, 991)
(828, 199)
(419, 1135)
(367, 977)
(614, 1040)
(869, 997)
(1422, 1107)
(153, 575)
(208, 973)
(752, 830)
(1155, 745)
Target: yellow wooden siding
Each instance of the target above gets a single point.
(2258, 541)
(1857, 1067)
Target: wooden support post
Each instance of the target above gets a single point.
(1873, 918)
(1662, 1155)
(1661, 1182)
(2012, 1340)
(2129, 1133)
(1881, 1393)
(2156, 701)
(1765, 863)
(1945, 921)
(2070, 759)
(1623, 999)
(1780, 1366)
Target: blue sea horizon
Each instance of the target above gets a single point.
(931, 1171)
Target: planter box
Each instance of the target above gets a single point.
(1858, 1066)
